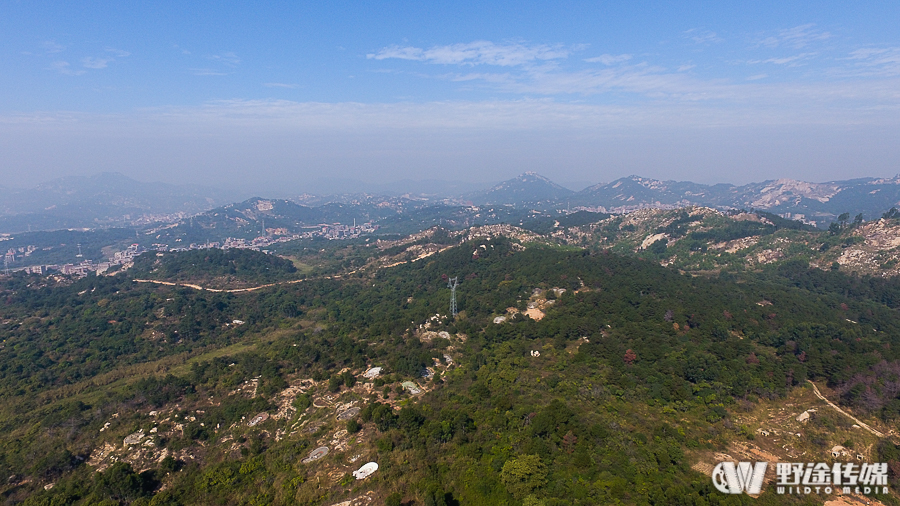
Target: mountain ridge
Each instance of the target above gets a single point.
(112, 199)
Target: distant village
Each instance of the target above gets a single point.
(124, 259)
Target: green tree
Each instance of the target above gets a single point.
(843, 218)
(522, 475)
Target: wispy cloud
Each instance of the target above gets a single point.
(207, 72)
(792, 61)
(702, 36)
(117, 52)
(876, 61)
(95, 63)
(280, 85)
(63, 67)
(796, 37)
(609, 59)
(475, 53)
(528, 70)
(51, 47)
(227, 58)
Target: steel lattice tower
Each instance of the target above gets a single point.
(452, 285)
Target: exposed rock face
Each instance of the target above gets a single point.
(881, 234)
(878, 254)
(788, 190)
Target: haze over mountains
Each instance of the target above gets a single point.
(101, 200)
(111, 199)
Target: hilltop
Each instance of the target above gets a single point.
(528, 188)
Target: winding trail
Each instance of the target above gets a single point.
(839, 410)
(294, 281)
(218, 290)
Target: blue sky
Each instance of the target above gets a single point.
(233, 94)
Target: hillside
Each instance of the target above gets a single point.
(214, 268)
(569, 377)
(701, 239)
(257, 217)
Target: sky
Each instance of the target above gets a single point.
(241, 94)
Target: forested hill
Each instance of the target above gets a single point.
(214, 268)
(568, 377)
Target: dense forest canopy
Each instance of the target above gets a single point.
(215, 267)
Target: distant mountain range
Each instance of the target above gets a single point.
(818, 203)
(111, 199)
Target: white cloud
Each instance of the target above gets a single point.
(876, 61)
(398, 52)
(227, 58)
(796, 37)
(702, 36)
(475, 53)
(792, 61)
(280, 85)
(64, 68)
(118, 52)
(653, 84)
(208, 72)
(51, 47)
(609, 59)
(95, 63)
(535, 71)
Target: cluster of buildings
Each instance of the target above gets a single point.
(278, 235)
(13, 254)
(84, 267)
(126, 257)
(338, 231)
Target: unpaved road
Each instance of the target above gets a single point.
(260, 287)
(833, 405)
(238, 290)
(220, 290)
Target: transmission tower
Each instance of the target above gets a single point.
(452, 285)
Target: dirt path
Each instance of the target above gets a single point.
(219, 290)
(839, 410)
(237, 290)
(260, 287)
